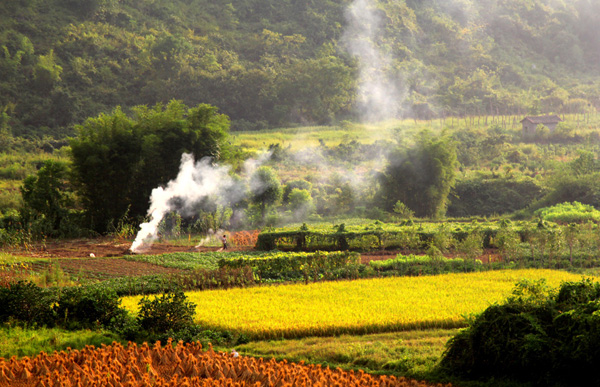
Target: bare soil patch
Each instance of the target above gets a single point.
(102, 258)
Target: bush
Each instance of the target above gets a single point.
(415, 265)
(25, 302)
(86, 307)
(294, 266)
(169, 312)
(565, 213)
(536, 335)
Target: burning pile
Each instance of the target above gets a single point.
(179, 365)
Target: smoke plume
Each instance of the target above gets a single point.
(195, 182)
(379, 96)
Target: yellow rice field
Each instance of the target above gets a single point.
(361, 306)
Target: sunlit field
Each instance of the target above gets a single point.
(362, 306)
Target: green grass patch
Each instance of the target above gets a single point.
(310, 136)
(411, 353)
(191, 260)
(20, 341)
(8, 258)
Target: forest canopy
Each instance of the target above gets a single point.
(265, 63)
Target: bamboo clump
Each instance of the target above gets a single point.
(185, 365)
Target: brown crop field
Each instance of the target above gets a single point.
(177, 365)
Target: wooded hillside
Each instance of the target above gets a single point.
(275, 63)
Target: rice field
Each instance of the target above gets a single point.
(358, 307)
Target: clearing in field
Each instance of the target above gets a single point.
(362, 306)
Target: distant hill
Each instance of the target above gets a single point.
(281, 62)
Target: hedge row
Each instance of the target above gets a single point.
(418, 237)
(414, 265)
(294, 266)
(199, 279)
(404, 238)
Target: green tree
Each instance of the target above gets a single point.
(301, 203)
(265, 189)
(117, 161)
(105, 156)
(47, 197)
(293, 184)
(402, 211)
(584, 164)
(47, 72)
(421, 177)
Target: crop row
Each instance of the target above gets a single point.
(179, 365)
(191, 260)
(361, 306)
(289, 266)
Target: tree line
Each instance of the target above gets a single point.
(267, 64)
(116, 161)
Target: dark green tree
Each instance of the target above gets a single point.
(265, 189)
(421, 177)
(47, 197)
(117, 160)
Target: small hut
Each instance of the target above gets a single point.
(530, 123)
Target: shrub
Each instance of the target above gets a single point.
(293, 266)
(565, 213)
(170, 311)
(25, 302)
(87, 306)
(536, 335)
(434, 263)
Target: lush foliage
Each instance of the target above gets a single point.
(543, 336)
(361, 306)
(265, 190)
(168, 312)
(191, 261)
(73, 307)
(569, 213)
(270, 65)
(118, 161)
(26, 302)
(426, 265)
(294, 266)
(373, 236)
(421, 177)
(196, 279)
(488, 194)
(48, 201)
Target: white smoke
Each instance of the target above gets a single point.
(211, 236)
(379, 94)
(195, 182)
